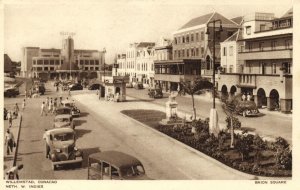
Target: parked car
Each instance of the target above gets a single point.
(247, 108)
(110, 165)
(62, 111)
(138, 85)
(11, 92)
(75, 112)
(60, 147)
(63, 120)
(129, 85)
(95, 86)
(76, 86)
(155, 93)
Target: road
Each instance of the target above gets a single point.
(271, 124)
(103, 127)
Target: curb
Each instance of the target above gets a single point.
(252, 177)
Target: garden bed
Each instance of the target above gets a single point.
(250, 154)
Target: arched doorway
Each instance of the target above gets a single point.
(233, 90)
(208, 62)
(261, 98)
(224, 93)
(274, 100)
(118, 90)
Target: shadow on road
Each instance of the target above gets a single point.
(30, 153)
(140, 100)
(79, 122)
(86, 153)
(81, 132)
(84, 114)
(248, 129)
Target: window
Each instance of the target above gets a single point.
(46, 62)
(249, 46)
(202, 36)
(273, 68)
(202, 50)
(224, 51)
(197, 51)
(230, 50)
(34, 62)
(188, 52)
(230, 68)
(273, 45)
(183, 39)
(193, 52)
(179, 54)
(92, 62)
(261, 46)
(183, 53)
(262, 27)
(250, 68)
(45, 68)
(175, 40)
(51, 62)
(96, 62)
(175, 54)
(287, 44)
(187, 38)
(197, 37)
(40, 62)
(192, 37)
(248, 30)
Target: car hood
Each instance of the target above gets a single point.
(63, 144)
(61, 124)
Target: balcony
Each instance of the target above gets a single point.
(247, 80)
(260, 55)
(174, 78)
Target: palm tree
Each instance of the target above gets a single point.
(229, 108)
(194, 87)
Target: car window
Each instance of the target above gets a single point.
(133, 171)
(63, 137)
(105, 168)
(114, 173)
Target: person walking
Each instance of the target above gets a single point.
(9, 117)
(23, 104)
(9, 141)
(43, 107)
(16, 110)
(50, 106)
(25, 93)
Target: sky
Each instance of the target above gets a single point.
(113, 24)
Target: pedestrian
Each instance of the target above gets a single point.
(23, 104)
(12, 173)
(243, 97)
(9, 141)
(60, 100)
(47, 102)
(43, 107)
(50, 106)
(16, 110)
(248, 97)
(69, 92)
(25, 93)
(9, 116)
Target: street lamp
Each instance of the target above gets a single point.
(213, 120)
(104, 51)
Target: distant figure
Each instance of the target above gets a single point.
(69, 92)
(248, 97)
(9, 117)
(243, 97)
(23, 105)
(43, 107)
(25, 93)
(9, 141)
(16, 110)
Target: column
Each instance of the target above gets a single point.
(286, 105)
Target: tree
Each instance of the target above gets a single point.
(229, 108)
(194, 87)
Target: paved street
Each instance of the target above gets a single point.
(103, 127)
(272, 124)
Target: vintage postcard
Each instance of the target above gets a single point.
(178, 94)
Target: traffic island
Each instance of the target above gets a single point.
(250, 154)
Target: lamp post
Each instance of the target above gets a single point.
(104, 51)
(213, 120)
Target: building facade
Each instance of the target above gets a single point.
(65, 63)
(137, 63)
(258, 60)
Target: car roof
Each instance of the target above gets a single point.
(63, 108)
(63, 116)
(61, 130)
(115, 158)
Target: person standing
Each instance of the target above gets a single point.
(43, 107)
(248, 97)
(23, 105)
(16, 110)
(9, 141)
(50, 106)
(243, 97)
(25, 93)
(9, 117)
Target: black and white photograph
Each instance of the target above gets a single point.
(148, 90)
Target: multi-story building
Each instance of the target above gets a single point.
(258, 60)
(61, 63)
(191, 41)
(138, 63)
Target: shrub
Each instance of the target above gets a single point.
(236, 122)
(283, 158)
(243, 145)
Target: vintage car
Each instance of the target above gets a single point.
(75, 86)
(60, 147)
(114, 165)
(75, 112)
(11, 92)
(63, 120)
(95, 86)
(245, 107)
(129, 85)
(138, 85)
(155, 93)
(63, 110)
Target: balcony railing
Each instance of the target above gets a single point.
(174, 78)
(273, 54)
